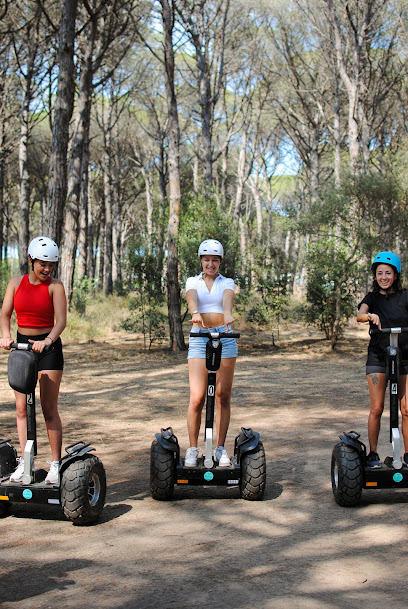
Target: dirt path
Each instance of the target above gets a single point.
(208, 548)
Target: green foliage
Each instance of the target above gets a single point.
(366, 211)
(204, 219)
(349, 223)
(4, 277)
(268, 294)
(147, 319)
(327, 272)
(144, 277)
(102, 318)
(82, 290)
(143, 271)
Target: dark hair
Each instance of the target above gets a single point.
(32, 260)
(396, 286)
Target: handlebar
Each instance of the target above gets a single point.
(26, 347)
(21, 346)
(388, 330)
(215, 335)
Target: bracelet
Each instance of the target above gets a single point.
(49, 338)
(194, 312)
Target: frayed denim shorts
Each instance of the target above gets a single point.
(196, 347)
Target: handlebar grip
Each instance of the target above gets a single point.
(215, 334)
(22, 346)
(27, 347)
(396, 330)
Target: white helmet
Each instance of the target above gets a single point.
(43, 248)
(211, 247)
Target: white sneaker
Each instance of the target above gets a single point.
(191, 457)
(53, 474)
(221, 455)
(18, 473)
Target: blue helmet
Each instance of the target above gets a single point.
(387, 258)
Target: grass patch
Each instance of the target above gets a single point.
(103, 317)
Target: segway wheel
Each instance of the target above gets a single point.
(346, 475)
(83, 490)
(8, 458)
(162, 472)
(253, 474)
(4, 508)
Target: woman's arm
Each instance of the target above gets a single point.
(192, 302)
(363, 316)
(59, 301)
(228, 302)
(7, 311)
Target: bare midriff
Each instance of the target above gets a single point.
(34, 331)
(211, 320)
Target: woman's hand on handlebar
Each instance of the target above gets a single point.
(374, 318)
(38, 345)
(5, 343)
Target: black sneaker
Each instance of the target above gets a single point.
(373, 460)
(405, 459)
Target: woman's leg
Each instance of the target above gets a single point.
(197, 374)
(376, 387)
(225, 376)
(404, 408)
(21, 420)
(50, 381)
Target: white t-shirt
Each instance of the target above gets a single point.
(210, 302)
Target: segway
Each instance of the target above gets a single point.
(349, 471)
(82, 486)
(247, 469)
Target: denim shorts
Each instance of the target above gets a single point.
(196, 347)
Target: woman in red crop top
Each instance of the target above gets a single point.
(41, 307)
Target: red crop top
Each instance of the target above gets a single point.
(33, 304)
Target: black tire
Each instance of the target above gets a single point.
(8, 458)
(162, 472)
(253, 474)
(83, 490)
(4, 508)
(347, 475)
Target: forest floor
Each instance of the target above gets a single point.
(209, 548)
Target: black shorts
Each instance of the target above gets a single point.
(376, 363)
(52, 359)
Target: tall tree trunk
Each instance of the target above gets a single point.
(337, 132)
(83, 242)
(240, 178)
(117, 227)
(24, 179)
(81, 135)
(92, 240)
(314, 164)
(107, 177)
(2, 180)
(101, 243)
(173, 286)
(253, 183)
(224, 175)
(24, 186)
(147, 177)
(57, 183)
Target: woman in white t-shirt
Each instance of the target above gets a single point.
(210, 297)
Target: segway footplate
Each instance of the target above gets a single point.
(203, 476)
(36, 493)
(386, 477)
